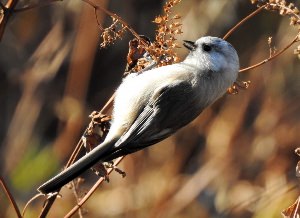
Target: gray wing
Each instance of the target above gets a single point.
(171, 107)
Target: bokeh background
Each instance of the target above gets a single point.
(235, 160)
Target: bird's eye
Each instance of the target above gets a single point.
(206, 47)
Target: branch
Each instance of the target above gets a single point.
(8, 8)
(29, 202)
(244, 20)
(10, 197)
(267, 6)
(126, 25)
(296, 39)
(92, 190)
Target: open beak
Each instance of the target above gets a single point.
(189, 45)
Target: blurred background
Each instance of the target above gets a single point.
(236, 160)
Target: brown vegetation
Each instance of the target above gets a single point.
(235, 160)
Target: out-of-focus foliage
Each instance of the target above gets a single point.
(236, 160)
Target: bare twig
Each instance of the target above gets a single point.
(92, 190)
(71, 160)
(126, 25)
(8, 8)
(75, 153)
(10, 197)
(29, 202)
(295, 213)
(79, 145)
(266, 6)
(75, 192)
(243, 21)
(296, 39)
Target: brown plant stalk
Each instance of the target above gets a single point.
(296, 39)
(11, 6)
(10, 197)
(243, 21)
(7, 12)
(267, 6)
(92, 190)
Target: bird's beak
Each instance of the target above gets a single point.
(189, 45)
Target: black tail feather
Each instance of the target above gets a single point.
(77, 168)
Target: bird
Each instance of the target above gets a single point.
(153, 105)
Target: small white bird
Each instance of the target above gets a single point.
(151, 106)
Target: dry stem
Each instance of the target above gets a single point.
(11, 5)
(296, 39)
(92, 190)
(10, 197)
(243, 21)
(267, 6)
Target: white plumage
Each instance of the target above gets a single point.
(151, 106)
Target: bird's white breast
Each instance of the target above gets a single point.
(136, 90)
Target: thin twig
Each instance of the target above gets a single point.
(295, 214)
(75, 192)
(29, 202)
(97, 20)
(73, 157)
(126, 25)
(10, 197)
(79, 145)
(92, 190)
(75, 153)
(108, 104)
(252, 15)
(296, 39)
(48, 205)
(9, 7)
(244, 20)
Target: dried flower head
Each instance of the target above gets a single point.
(285, 9)
(162, 49)
(110, 34)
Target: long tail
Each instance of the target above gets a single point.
(77, 168)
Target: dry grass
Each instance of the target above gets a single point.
(236, 160)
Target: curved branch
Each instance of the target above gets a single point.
(244, 20)
(10, 197)
(296, 39)
(29, 202)
(267, 6)
(126, 25)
